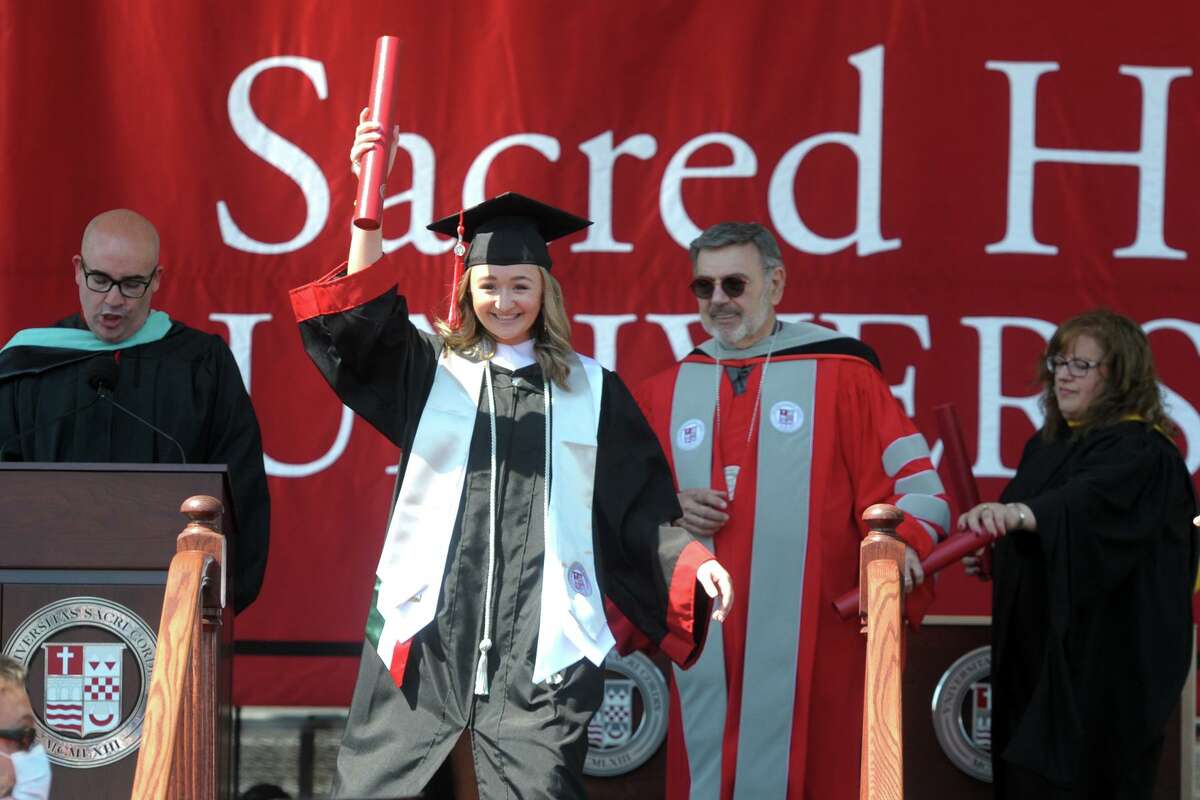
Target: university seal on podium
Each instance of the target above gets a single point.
(632, 720)
(962, 713)
(91, 658)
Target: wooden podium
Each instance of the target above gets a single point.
(945, 661)
(84, 553)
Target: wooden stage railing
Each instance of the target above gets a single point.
(182, 749)
(881, 600)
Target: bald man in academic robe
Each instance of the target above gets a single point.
(181, 380)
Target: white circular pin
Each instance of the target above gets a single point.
(690, 435)
(577, 579)
(787, 417)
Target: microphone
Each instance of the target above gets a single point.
(101, 375)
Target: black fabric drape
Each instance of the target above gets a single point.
(1092, 612)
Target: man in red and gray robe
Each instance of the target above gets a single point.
(780, 435)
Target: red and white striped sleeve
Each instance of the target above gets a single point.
(892, 463)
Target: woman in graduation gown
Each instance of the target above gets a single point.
(1093, 576)
(508, 535)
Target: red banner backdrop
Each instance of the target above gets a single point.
(947, 181)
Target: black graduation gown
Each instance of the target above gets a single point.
(187, 384)
(528, 740)
(1092, 615)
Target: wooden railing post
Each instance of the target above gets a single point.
(198, 759)
(181, 737)
(881, 599)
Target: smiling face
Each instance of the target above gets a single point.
(507, 299)
(738, 322)
(1075, 395)
(122, 245)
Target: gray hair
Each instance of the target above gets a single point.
(724, 234)
(11, 673)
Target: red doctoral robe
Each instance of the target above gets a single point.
(774, 706)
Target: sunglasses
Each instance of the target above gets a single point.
(732, 286)
(24, 737)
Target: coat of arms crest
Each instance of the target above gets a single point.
(612, 724)
(93, 695)
(631, 723)
(83, 687)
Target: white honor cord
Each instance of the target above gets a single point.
(546, 478)
(556, 678)
(485, 644)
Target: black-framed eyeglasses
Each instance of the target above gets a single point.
(732, 286)
(102, 282)
(1076, 367)
(24, 737)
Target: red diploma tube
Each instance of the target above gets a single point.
(945, 554)
(368, 208)
(965, 495)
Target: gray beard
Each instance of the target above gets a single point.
(751, 321)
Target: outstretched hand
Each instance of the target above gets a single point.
(998, 519)
(366, 136)
(715, 581)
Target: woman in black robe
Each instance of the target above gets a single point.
(464, 690)
(1093, 576)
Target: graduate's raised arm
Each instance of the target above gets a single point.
(356, 327)
(366, 246)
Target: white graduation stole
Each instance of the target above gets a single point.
(573, 625)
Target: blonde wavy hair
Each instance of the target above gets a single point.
(551, 331)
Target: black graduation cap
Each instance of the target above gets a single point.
(510, 229)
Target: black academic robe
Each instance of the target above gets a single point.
(187, 384)
(1092, 614)
(528, 740)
